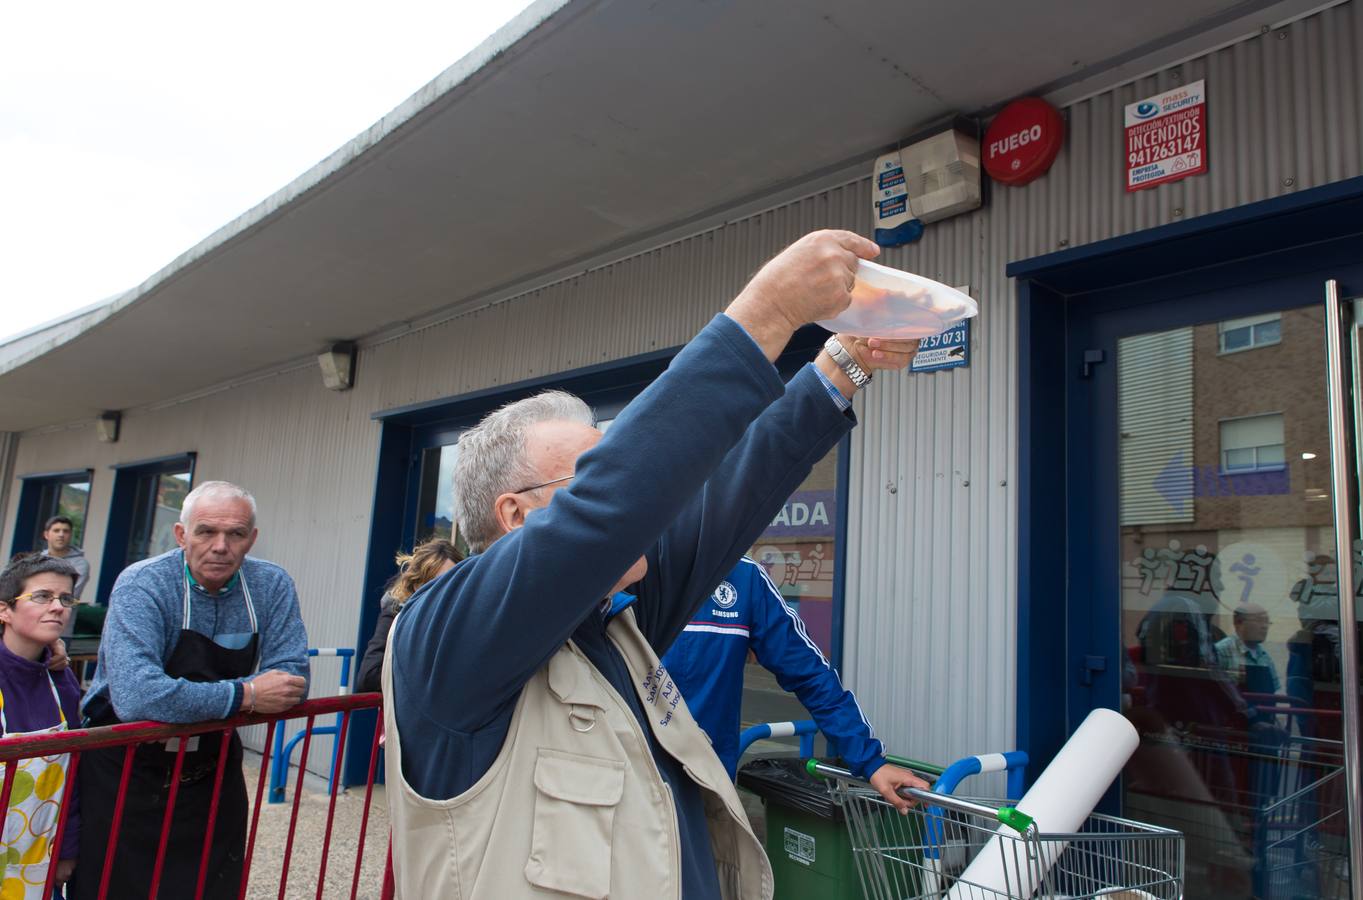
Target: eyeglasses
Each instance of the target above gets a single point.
(44, 598)
(535, 487)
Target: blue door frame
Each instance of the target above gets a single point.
(410, 430)
(27, 515)
(1073, 307)
(114, 556)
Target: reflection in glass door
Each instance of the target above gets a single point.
(799, 552)
(435, 497)
(67, 496)
(157, 499)
(1230, 617)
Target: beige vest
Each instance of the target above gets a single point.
(574, 805)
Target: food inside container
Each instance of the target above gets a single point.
(889, 303)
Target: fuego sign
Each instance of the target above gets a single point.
(1023, 140)
(1166, 137)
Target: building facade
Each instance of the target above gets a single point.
(1069, 521)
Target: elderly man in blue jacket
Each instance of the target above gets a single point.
(747, 612)
(538, 744)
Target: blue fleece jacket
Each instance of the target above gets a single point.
(748, 612)
(142, 629)
(680, 478)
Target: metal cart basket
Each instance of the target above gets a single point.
(925, 854)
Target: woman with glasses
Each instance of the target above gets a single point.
(36, 600)
(430, 559)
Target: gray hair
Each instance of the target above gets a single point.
(492, 460)
(216, 490)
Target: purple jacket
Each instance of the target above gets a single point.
(28, 707)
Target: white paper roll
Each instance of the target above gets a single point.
(1060, 801)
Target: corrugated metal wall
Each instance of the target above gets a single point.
(307, 453)
(930, 628)
(930, 642)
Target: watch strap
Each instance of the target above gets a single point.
(843, 360)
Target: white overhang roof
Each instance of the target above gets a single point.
(580, 126)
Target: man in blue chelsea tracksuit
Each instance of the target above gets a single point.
(747, 612)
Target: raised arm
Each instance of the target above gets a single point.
(531, 588)
(738, 502)
(783, 646)
(740, 499)
(508, 609)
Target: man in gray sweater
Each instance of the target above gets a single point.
(57, 532)
(202, 632)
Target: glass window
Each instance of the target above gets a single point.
(143, 509)
(66, 496)
(1252, 443)
(1236, 339)
(798, 550)
(1271, 455)
(157, 500)
(1250, 332)
(435, 500)
(1268, 333)
(1238, 460)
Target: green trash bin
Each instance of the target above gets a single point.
(807, 843)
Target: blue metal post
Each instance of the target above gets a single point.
(282, 751)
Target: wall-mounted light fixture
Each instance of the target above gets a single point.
(107, 426)
(338, 366)
(943, 175)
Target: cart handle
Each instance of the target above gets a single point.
(1014, 762)
(918, 766)
(1014, 818)
(805, 728)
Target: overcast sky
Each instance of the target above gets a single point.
(131, 131)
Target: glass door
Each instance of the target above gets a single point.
(1344, 352)
(1229, 602)
(1213, 523)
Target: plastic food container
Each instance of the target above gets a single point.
(888, 303)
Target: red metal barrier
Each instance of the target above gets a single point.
(132, 734)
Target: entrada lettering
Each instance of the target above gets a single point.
(799, 513)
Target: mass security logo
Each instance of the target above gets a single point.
(725, 595)
(1146, 109)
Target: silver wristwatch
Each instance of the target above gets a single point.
(860, 377)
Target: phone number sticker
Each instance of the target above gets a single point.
(1166, 137)
(948, 350)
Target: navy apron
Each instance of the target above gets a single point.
(196, 657)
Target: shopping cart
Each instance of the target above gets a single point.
(1274, 805)
(1300, 836)
(926, 853)
(1297, 799)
